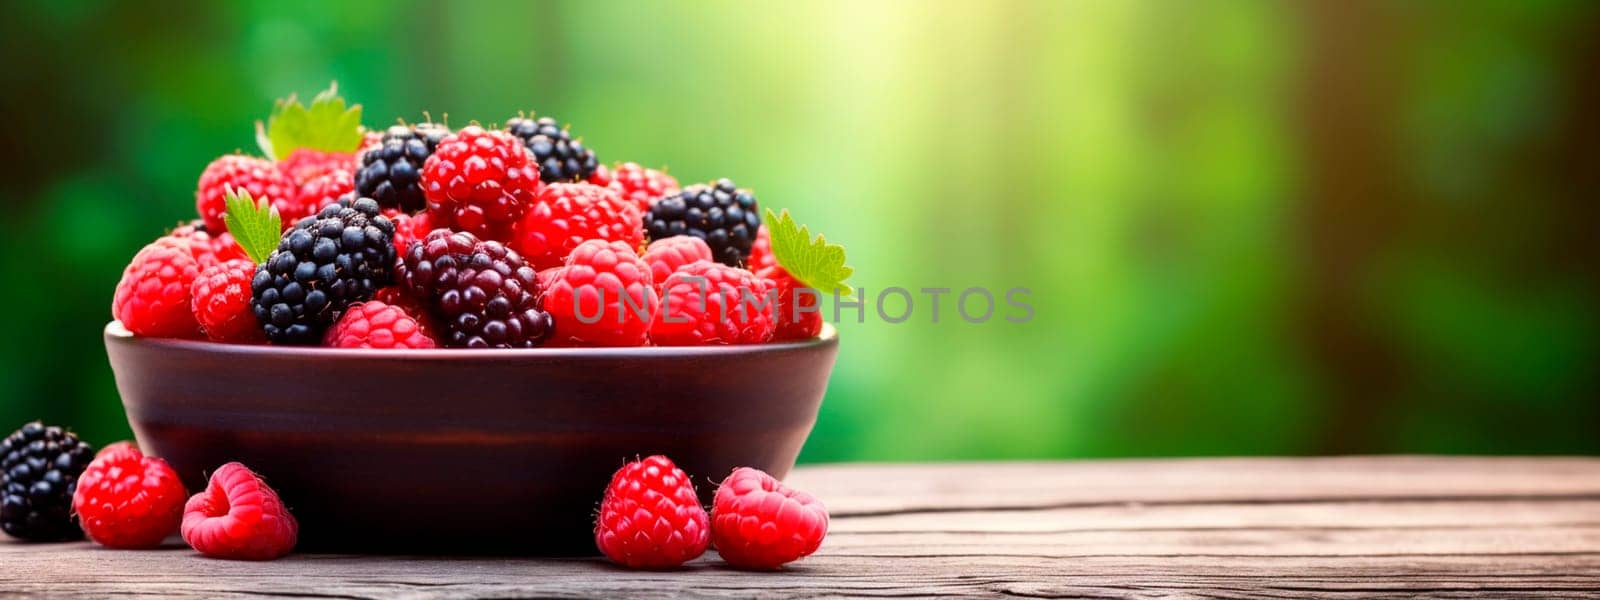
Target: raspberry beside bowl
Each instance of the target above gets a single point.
(479, 451)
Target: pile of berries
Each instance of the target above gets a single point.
(421, 236)
(57, 488)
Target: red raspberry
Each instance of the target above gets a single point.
(257, 175)
(481, 182)
(369, 140)
(315, 193)
(117, 447)
(407, 228)
(590, 287)
(795, 317)
(220, 297)
(153, 297)
(128, 500)
(706, 302)
(305, 164)
(650, 517)
(761, 251)
(238, 517)
(568, 214)
(208, 249)
(637, 184)
(548, 277)
(759, 523)
(666, 255)
(374, 324)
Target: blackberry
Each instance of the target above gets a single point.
(481, 291)
(391, 173)
(39, 469)
(560, 157)
(723, 215)
(323, 264)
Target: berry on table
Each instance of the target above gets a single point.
(220, 297)
(39, 469)
(322, 265)
(259, 176)
(666, 255)
(759, 523)
(153, 297)
(560, 157)
(482, 292)
(128, 500)
(637, 184)
(602, 297)
(705, 302)
(391, 171)
(374, 324)
(723, 215)
(239, 517)
(650, 517)
(567, 214)
(481, 182)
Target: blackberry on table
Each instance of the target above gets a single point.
(324, 263)
(560, 157)
(723, 215)
(39, 469)
(391, 173)
(482, 291)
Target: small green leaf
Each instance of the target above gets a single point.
(813, 262)
(255, 224)
(327, 125)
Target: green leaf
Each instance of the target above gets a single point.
(327, 125)
(255, 224)
(813, 262)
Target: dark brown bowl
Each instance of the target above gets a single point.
(502, 451)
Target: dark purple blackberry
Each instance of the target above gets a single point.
(560, 157)
(723, 215)
(482, 292)
(39, 469)
(391, 173)
(323, 264)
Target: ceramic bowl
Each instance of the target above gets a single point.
(497, 451)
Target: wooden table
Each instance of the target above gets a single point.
(1235, 528)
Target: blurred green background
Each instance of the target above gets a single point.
(1248, 227)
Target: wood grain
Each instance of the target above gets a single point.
(1214, 528)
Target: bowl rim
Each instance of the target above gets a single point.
(115, 332)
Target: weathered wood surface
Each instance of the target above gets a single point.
(1222, 528)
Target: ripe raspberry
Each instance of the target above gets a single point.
(638, 185)
(546, 278)
(374, 324)
(407, 228)
(559, 157)
(39, 466)
(705, 302)
(723, 215)
(315, 193)
(220, 297)
(153, 297)
(305, 164)
(796, 315)
(601, 297)
(761, 251)
(666, 256)
(482, 292)
(208, 249)
(238, 517)
(259, 176)
(391, 172)
(650, 517)
(128, 500)
(117, 447)
(481, 182)
(567, 214)
(759, 523)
